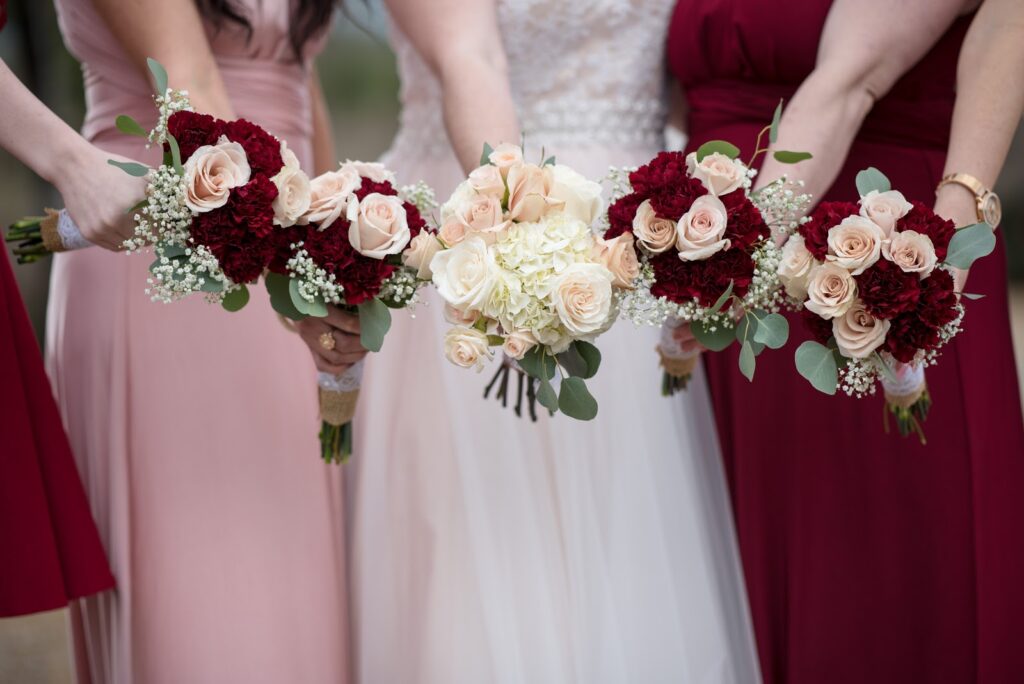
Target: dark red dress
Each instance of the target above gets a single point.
(50, 551)
(869, 559)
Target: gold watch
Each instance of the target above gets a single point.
(990, 209)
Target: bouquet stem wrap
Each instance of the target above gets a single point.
(677, 363)
(339, 395)
(906, 398)
(41, 236)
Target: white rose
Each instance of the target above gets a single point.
(294, 191)
(582, 295)
(831, 290)
(457, 204)
(212, 172)
(421, 251)
(329, 196)
(719, 174)
(529, 192)
(378, 225)
(913, 252)
(582, 197)
(487, 180)
(505, 156)
(518, 343)
(796, 266)
(655, 233)
(700, 230)
(885, 208)
(858, 333)
(465, 275)
(855, 244)
(376, 172)
(467, 347)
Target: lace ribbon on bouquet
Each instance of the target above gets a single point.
(678, 363)
(905, 386)
(339, 395)
(60, 233)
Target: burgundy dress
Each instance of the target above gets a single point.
(868, 557)
(50, 551)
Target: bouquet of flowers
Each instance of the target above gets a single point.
(874, 282)
(521, 269)
(360, 245)
(706, 253)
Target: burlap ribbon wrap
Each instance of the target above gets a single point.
(60, 233)
(676, 362)
(339, 395)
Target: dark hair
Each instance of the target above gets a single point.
(309, 18)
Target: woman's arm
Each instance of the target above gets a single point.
(866, 46)
(171, 32)
(461, 43)
(96, 194)
(324, 156)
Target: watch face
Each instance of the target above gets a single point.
(991, 209)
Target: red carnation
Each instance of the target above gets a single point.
(237, 233)
(283, 239)
(938, 303)
(261, 149)
(908, 334)
(887, 291)
(745, 226)
(369, 187)
(193, 130)
(621, 214)
(820, 328)
(925, 221)
(682, 281)
(361, 276)
(666, 171)
(824, 218)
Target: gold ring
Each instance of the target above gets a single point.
(327, 341)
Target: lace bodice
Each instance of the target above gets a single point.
(584, 73)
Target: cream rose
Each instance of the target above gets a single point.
(505, 156)
(855, 244)
(518, 343)
(375, 171)
(212, 172)
(582, 295)
(831, 290)
(796, 266)
(421, 251)
(458, 317)
(483, 215)
(465, 275)
(329, 196)
(581, 197)
(294, 192)
(529, 192)
(487, 180)
(913, 252)
(453, 231)
(885, 208)
(700, 230)
(378, 225)
(654, 233)
(466, 347)
(858, 333)
(719, 174)
(619, 256)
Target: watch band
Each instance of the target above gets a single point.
(968, 181)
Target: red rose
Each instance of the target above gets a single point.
(923, 220)
(262, 149)
(938, 303)
(907, 335)
(237, 233)
(820, 329)
(822, 219)
(193, 130)
(360, 276)
(621, 214)
(682, 281)
(887, 291)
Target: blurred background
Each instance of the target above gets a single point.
(361, 86)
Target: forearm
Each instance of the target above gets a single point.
(324, 155)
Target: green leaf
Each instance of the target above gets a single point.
(374, 323)
(131, 168)
(722, 299)
(969, 244)
(720, 146)
(546, 396)
(485, 156)
(872, 179)
(130, 126)
(278, 286)
(746, 328)
(772, 331)
(212, 285)
(317, 309)
(590, 354)
(137, 206)
(773, 131)
(748, 362)
(573, 363)
(171, 251)
(972, 297)
(788, 157)
(175, 155)
(550, 161)
(538, 363)
(236, 299)
(159, 75)
(716, 340)
(816, 363)
(576, 401)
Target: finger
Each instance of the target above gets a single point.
(333, 369)
(347, 343)
(343, 321)
(352, 358)
(691, 347)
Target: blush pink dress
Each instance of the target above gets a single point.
(195, 429)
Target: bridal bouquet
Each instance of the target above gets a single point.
(706, 253)
(522, 270)
(361, 245)
(874, 281)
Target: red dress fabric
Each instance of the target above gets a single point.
(868, 557)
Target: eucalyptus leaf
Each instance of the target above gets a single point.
(789, 157)
(590, 354)
(748, 362)
(719, 146)
(723, 298)
(573, 363)
(485, 157)
(212, 285)
(872, 179)
(175, 155)
(374, 323)
(773, 131)
(546, 395)
(575, 400)
(137, 206)
(236, 299)
(172, 251)
(772, 331)
(538, 363)
(746, 328)
(550, 161)
(816, 363)
(715, 340)
(130, 126)
(131, 168)
(317, 309)
(159, 75)
(970, 244)
(280, 296)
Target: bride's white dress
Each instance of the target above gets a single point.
(487, 548)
